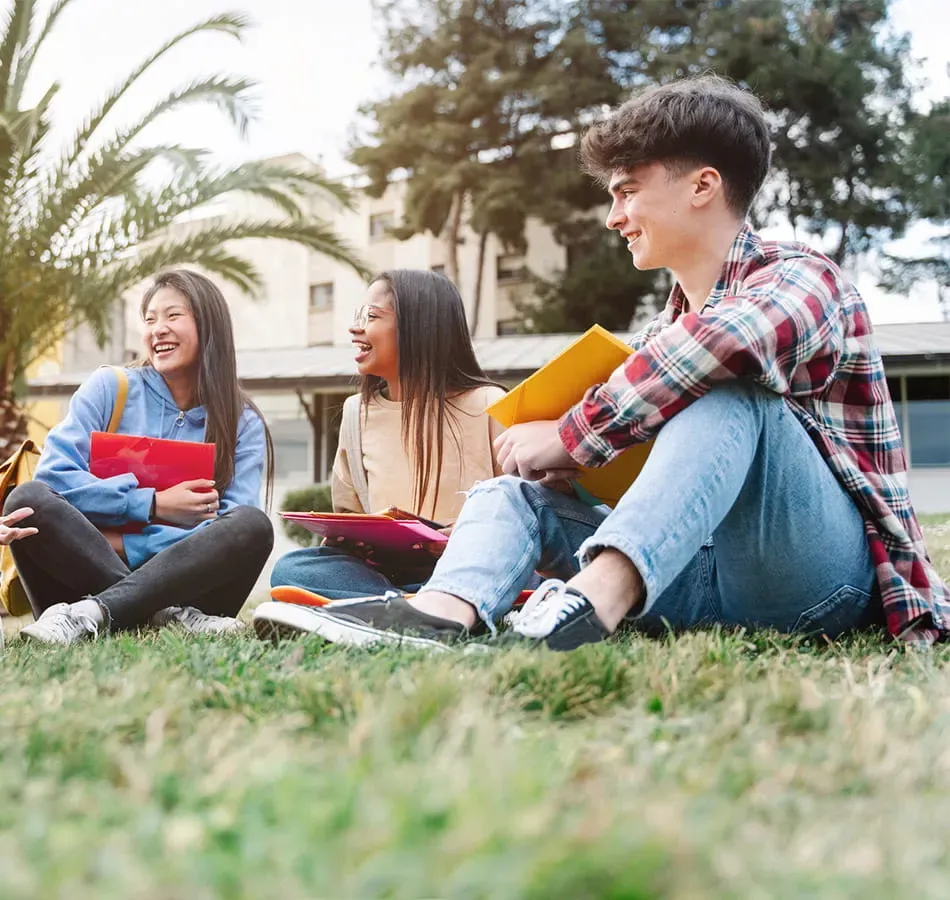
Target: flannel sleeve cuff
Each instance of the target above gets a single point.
(585, 447)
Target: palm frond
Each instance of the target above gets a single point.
(15, 35)
(262, 178)
(208, 243)
(76, 234)
(29, 54)
(227, 93)
(109, 178)
(232, 24)
(290, 190)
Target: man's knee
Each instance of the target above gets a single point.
(741, 397)
(34, 494)
(509, 486)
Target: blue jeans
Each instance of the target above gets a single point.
(735, 519)
(332, 573)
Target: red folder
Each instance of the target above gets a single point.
(381, 531)
(155, 462)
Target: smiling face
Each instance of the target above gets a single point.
(652, 206)
(376, 336)
(171, 335)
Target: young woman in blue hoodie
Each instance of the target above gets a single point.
(111, 555)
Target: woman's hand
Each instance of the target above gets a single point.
(435, 548)
(187, 504)
(8, 532)
(359, 549)
(115, 541)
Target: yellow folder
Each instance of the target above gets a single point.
(561, 383)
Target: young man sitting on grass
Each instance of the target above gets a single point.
(775, 494)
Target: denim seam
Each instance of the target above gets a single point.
(624, 545)
(715, 615)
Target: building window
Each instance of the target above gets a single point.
(510, 268)
(928, 419)
(321, 296)
(380, 225)
(508, 326)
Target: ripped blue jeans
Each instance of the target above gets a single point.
(735, 519)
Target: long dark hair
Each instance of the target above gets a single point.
(436, 363)
(219, 390)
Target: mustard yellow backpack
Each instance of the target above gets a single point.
(18, 469)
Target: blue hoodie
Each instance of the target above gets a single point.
(150, 411)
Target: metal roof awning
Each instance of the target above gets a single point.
(506, 358)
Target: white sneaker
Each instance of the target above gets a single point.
(195, 621)
(66, 623)
(273, 620)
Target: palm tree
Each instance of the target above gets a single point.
(79, 228)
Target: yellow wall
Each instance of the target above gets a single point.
(44, 414)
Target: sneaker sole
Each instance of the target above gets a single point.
(302, 597)
(352, 634)
(275, 621)
(290, 622)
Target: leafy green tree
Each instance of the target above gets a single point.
(489, 90)
(79, 229)
(832, 73)
(485, 88)
(600, 284)
(928, 187)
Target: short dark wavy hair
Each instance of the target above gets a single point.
(704, 120)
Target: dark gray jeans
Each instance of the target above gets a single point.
(213, 569)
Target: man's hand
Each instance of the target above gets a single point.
(533, 449)
(188, 503)
(9, 533)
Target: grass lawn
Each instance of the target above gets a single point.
(715, 765)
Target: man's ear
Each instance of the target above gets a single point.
(707, 186)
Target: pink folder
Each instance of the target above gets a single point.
(155, 462)
(381, 532)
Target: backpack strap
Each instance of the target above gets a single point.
(123, 392)
(352, 441)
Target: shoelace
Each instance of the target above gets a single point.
(196, 620)
(188, 615)
(70, 624)
(546, 608)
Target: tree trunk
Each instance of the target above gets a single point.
(479, 277)
(842, 251)
(453, 227)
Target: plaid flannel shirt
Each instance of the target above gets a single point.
(784, 316)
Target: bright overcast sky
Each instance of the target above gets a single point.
(314, 60)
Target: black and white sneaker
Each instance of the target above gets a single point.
(559, 616)
(366, 622)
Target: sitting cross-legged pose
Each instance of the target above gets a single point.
(421, 433)
(109, 554)
(775, 494)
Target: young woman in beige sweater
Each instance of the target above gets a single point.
(425, 437)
